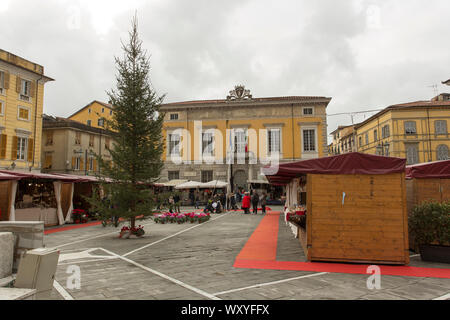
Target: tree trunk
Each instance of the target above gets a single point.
(132, 222)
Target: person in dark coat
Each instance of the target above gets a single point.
(263, 201)
(246, 203)
(255, 201)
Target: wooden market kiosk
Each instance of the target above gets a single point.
(355, 207)
(427, 181)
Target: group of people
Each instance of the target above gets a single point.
(254, 201)
(217, 202)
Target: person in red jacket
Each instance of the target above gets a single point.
(246, 203)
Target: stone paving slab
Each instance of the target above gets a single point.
(203, 257)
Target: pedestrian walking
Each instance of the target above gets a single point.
(255, 201)
(263, 201)
(176, 200)
(246, 203)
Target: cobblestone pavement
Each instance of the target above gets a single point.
(195, 261)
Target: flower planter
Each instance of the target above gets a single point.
(435, 253)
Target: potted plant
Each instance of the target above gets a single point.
(429, 224)
(79, 216)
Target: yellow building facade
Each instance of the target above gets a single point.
(200, 135)
(94, 114)
(417, 131)
(21, 107)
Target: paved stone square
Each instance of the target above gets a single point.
(195, 261)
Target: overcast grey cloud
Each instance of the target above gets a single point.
(364, 54)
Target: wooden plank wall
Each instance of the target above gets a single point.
(4, 200)
(371, 225)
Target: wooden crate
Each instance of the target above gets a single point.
(369, 226)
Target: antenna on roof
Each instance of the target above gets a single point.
(435, 89)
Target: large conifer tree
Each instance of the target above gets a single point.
(138, 141)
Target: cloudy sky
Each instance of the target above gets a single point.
(364, 54)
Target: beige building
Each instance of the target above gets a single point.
(201, 134)
(344, 138)
(69, 146)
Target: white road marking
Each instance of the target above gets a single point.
(173, 235)
(178, 282)
(84, 261)
(62, 291)
(80, 255)
(414, 255)
(269, 283)
(444, 297)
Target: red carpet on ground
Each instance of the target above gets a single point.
(261, 248)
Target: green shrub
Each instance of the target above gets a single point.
(430, 223)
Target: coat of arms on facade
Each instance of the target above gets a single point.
(239, 93)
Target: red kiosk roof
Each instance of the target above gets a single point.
(349, 163)
(436, 169)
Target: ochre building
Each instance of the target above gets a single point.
(21, 106)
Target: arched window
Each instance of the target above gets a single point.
(442, 152)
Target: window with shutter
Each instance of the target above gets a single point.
(274, 143)
(239, 141)
(442, 152)
(412, 154)
(174, 144)
(23, 113)
(207, 143)
(440, 126)
(30, 155)
(309, 140)
(410, 127)
(2, 108)
(375, 135)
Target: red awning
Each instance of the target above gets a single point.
(5, 176)
(436, 169)
(349, 163)
(36, 175)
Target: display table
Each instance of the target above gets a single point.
(16, 294)
(49, 215)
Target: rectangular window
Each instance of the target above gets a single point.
(440, 126)
(91, 140)
(309, 140)
(410, 127)
(77, 163)
(89, 122)
(25, 88)
(412, 154)
(240, 141)
(48, 161)
(174, 144)
(375, 135)
(174, 175)
(207, 143)
(2, 81)
(91, 164)
(207, 176)
(22, 148)
(2, 108)
(360, 141)
(103, 110)
(274, 143)
(367, 138)
(107, 143)
(49, 141)
(385, 132)
(308, 111)
(101, 122)
(78, 138)
(23, 113)
(174, 116)
(110, 112)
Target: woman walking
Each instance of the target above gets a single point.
(246, 203)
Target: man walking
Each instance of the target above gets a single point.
(176, 200)
(263, 201)
(255, 201)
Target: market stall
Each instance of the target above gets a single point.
(8, 183)
(37, 197)
(355, 207)
(427, 181)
